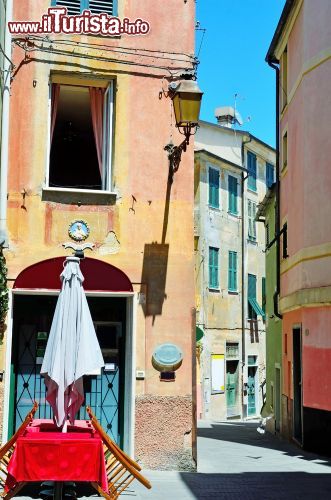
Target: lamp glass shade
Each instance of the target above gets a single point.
(187, 108)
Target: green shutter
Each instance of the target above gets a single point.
(251, 167)
(232, 274)
(264, 298)
(251, 220)
(214, 182)
(269, 175)
(251, 294)
(233, 193)
(213, 267)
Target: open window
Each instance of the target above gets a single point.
(81, 137)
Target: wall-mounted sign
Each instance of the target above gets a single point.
(217, 373)
(167, 358)
(78, 230)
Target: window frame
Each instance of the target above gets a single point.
(233, 272)
(107, 173)
(213, 269)
(233, 195)
(252, 174)
(211, 186)
(252, 235)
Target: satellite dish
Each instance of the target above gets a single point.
(239, 118)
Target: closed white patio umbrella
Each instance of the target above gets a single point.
(72, 349)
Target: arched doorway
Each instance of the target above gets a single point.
(110, 296)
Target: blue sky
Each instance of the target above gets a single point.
(232, 60)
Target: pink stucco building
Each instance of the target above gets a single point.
(300, 52)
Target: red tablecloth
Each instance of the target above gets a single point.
(43, 453)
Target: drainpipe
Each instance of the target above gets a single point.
(243, 275)
(5, 129)
(277, 215)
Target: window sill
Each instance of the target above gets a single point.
(251, 190)
(233, 292)
(253, 242)
(69, 196)
(214, 290)
(235, 215)
(215, 209)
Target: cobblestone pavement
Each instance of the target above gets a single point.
(236, 462)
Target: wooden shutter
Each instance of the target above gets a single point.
(269, 175)
(214, 182)
(73, 6)
(99, 6)
(232, 275)
(251, 220)
(213, 267)
(233, 192)
(264, 297)
(251, 166)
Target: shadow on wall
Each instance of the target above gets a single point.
(154, 275)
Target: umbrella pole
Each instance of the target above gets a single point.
(58, 488)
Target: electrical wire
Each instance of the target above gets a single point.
(171, 70)
(118, 49)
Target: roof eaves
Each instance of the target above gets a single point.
(220, 158)
(262, 207)
(270, 57)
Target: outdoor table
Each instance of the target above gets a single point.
(43, 453)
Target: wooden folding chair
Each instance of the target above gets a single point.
(7, 451)
(121, 469)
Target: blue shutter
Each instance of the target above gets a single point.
(213, 267)
(251, 167)
(269, 175)
(96, 6)
(232, 276)
(233, 193)
(73, 6)
(214, 186)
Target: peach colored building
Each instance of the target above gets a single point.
(140, 282)
(301, 48)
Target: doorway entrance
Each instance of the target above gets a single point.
(232, 388)
(297, 385)
(252, 385)
(104, 393)
(277, 398)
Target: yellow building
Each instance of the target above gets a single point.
(89, 120)
(232, 169)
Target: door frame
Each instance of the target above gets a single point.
(297, 330)
(130, 359)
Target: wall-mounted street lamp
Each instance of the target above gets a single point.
(186, 97)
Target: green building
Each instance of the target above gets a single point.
(272, 407)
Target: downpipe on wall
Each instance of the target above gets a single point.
(5, 130)
(274, 66)
(244, 177)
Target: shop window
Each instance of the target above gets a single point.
(81, 137)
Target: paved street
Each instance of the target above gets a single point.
(236, 462)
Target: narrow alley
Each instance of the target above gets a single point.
(236, 462)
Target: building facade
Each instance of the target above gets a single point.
(300, 54)
(90, 119)
(230, 181)
(266, 213)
